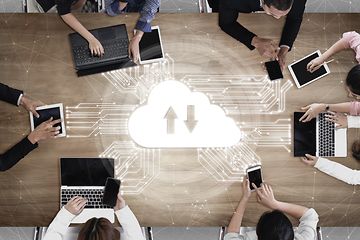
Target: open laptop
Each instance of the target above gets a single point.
(319, 137)
(86, 177)
(115, 42)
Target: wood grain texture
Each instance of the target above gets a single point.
(35, 57)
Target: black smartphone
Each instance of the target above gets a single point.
(254, 176)
(274, 70)
(112, 188)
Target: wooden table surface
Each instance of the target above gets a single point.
(172, 187)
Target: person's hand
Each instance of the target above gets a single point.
(281, 57)
(340, 119)
(315, 64)
(95, 47)
(134, 50)
(120, 202)
(312, 111)
(246, 189)
(44, 131)
(265, 196)
(30, 104)
(309, 160)
(265, 47)
(75, 205)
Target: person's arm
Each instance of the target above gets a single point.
(10, 95)
(143, 25)
(61, 222)
(316, 63)
(314, 109)
(338, 171)
(12, 156)
(228, 16)
(94, 45)
(130, 225)
(235, 222)
(333, 169)
(292, 24)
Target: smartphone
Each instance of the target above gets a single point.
(254, 176)
(274, 70)
(112, 188)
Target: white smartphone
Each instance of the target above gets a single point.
(150, 46)
(254, 175)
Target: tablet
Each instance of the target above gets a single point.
(302, 76)
(46, 112)
(150, 45)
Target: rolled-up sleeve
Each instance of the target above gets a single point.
(147, 14)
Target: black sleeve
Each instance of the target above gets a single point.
(64, 7)
(293, 23)
(8, 94)
(16, 153)
(228, 14)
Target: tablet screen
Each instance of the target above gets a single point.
(302, 75)
(150, 46)
(46, 114)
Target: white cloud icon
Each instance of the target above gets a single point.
(175, 117)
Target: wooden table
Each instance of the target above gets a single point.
(183, 189)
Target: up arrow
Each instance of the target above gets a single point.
(190, 122)
(170, 117)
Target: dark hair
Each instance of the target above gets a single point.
(356, 150)
(281, 5)
(353, 79)
(98, 229)
(274, 225)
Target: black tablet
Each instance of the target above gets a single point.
(151, 49)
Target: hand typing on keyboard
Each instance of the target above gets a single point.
(76, 205)
(340, 119)
(95, 47)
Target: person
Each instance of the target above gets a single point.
(335, 169)
(273, 224)
(64, 8)
(147, 9)
(293, 9)
(95, 228)
(30, 142)
(349, 40)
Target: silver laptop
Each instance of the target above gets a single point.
(86, 177)
(319, 137)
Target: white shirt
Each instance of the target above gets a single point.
(353, 121)
(305, 231)
(130, 228)
(338, 171)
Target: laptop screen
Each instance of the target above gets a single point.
(86, 171)
(304, 136)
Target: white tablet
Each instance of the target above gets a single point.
(46, 112)
(302, 76)
(151, 49)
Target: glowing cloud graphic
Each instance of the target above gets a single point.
(175, 117)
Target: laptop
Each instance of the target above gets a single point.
(319, 137)
(115, 42)
(86, 177)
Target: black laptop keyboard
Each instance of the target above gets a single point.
(326, 137)
(93, 196)
(112, 50)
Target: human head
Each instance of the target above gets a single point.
(356, 150)
(98, 229)
(353, 82)
(274, 226)
(277, 8)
